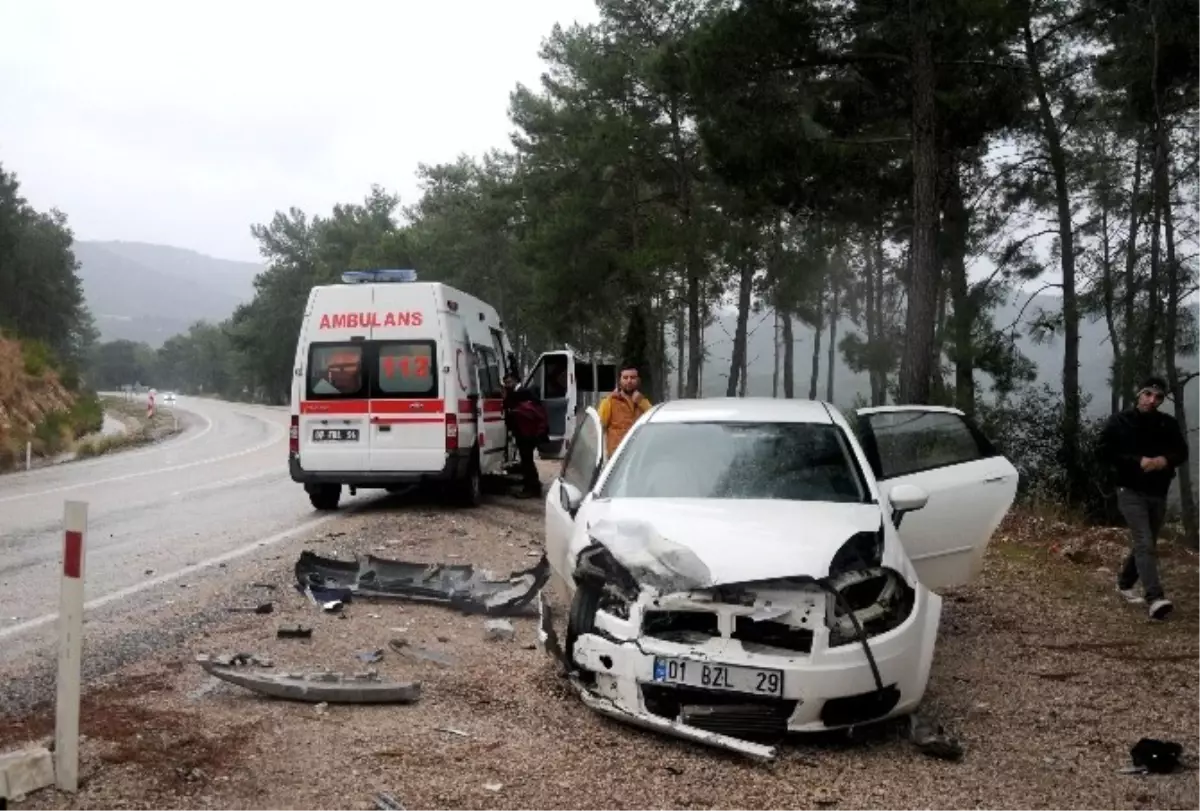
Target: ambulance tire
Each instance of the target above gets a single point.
(326, 497)
(470, 489)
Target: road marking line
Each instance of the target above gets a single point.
(129, 591)
(278, 437)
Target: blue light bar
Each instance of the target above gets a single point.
(368, 276)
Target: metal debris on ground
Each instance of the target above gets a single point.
(929, 737)
(452, 731)
(386, 801)
(298, 632)
(322, 686)
(461, 586)
(493, 786)
(370, 657)
(261, 608)
(499, 629)
(242, 660)
(406, 648)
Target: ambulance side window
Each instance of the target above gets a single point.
(490, 379)
(498, 349)
(335, 371)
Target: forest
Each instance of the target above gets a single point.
(904, 168)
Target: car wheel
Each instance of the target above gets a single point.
(326, 497)
(470, 490)
(581, 619)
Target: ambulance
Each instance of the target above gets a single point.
(397, 382)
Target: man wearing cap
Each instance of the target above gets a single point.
(1143, 446)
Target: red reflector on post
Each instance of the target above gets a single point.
(451, 432)
(73, 554)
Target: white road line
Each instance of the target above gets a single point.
(153, 582)
(277, 437)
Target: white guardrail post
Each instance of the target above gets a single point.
(70, 647)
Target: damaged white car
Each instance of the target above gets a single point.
(745, 568)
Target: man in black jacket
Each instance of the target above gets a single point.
(1143, 446)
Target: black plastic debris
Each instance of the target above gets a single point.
(1155, 756)
(460, 586)
(298, 632)
(261, 608)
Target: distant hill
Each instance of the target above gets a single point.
(142, 292)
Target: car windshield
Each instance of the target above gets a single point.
(794, 461)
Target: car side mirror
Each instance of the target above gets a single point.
(906, 498)
(570, 497)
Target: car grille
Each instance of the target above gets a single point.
(696, 627)
(750, 717)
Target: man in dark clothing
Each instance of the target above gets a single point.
(1143, 446)
(526, 419)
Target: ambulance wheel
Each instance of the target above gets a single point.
(326, 496)
(470, 489)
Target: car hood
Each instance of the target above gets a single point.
(732, 540)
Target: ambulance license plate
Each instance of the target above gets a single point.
(335, 435)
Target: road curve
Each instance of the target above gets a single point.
(173, 511)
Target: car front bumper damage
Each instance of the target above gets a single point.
(823, 687)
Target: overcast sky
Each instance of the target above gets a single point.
(183, 123)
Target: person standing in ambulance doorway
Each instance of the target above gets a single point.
(1143, 446)
(621, 409)
(526, 418)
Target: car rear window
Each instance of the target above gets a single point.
(336, 371)
(405, 369)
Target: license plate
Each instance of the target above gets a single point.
(335, 435)
(707, 676)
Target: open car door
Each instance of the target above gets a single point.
(970, 486)
(580, 469)
(554, 378)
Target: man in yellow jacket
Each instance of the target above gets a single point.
(621, 409)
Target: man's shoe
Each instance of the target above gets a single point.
(1130, 595)
(1160, 608)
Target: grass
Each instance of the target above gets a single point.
(140, 429)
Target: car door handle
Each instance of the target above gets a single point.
(995, 479)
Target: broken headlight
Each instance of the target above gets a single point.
(863, 551)
(878, 597)
(598, 569)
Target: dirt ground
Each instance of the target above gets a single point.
(1043, 672)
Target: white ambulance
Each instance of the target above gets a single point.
(397, 382)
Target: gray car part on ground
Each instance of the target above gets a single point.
(335, 688)
(460, 586)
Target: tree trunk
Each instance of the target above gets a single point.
(962, 323)
(1066, 235)
(737, 361)
(814, 378)
(789, 358)
(1107, 291)
(680, 340)
(882, 354)
(694, 333)
(922, 286)
(775, 356)
(937, 382)
(869, 305)
(1149, 335)
(1129, 294)
(833, 319)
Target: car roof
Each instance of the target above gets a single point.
(743, 409)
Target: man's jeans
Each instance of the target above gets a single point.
(1144, 515)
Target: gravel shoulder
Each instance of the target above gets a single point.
(1044, 673)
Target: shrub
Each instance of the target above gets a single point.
(37, 357)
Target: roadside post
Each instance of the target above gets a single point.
(70, 647)
(28, 455)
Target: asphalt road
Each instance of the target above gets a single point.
(162, 519)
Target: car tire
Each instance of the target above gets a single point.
(326, 497)
(470, 489)
(581, 619)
